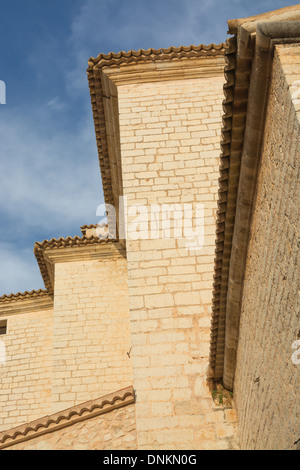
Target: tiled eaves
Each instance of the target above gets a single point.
(155, 54)
(96, 93)
(69, 417)
(122, 59)
(84, 228)
(237, 75)
(34, 294)
(70, 242)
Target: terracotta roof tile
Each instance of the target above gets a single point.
(24, 296)
(86, 227)
(70, 242)
(155, 54)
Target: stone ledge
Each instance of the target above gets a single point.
(26, 303)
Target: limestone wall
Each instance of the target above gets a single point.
(25, 377)
(267, 382)
(74, 352)
(91, 336)
(170, 135)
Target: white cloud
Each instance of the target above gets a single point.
(48, 180)
(56, 104)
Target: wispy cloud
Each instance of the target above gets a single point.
(48, 180)
(50, 185)
(56, 104)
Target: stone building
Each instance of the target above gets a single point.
(157, 338)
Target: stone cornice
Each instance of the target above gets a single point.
(82, 253)
(55, 422)
(177, 69)
(26, 302)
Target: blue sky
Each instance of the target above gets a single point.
(49, 174)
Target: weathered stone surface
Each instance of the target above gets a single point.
(170, 147)
(267, 382)
(57, 358)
